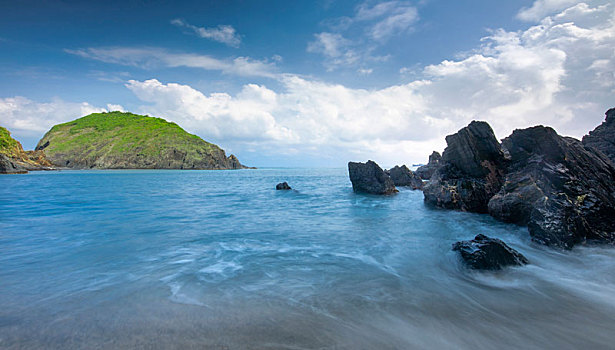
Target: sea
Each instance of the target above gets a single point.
(166, 259)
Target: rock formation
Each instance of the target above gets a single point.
(402, 176)
(485, 253)
(14, 160)
(426, 171)
(282, 186)
(562, 191)
(602, 137)
(470, 172)
(370, 178)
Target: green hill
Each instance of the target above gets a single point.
(118, 140)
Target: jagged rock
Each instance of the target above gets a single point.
(470, 172)
(602, 137)
(8, 166)
(485, 253)
(562, 191)
(426, 171)
(282, 186)
(370, 178)
(402, 176)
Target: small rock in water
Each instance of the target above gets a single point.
(485, 253)
(282, 186)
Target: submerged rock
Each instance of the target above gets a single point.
(426, 171)
(402, 176)
(485, 253)
(563, 192)
(470, 172)
(602, 138)
(282, 186)
(370, 178)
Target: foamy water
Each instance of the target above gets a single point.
(219, 259)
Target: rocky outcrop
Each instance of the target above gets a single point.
(8, 166)
(402, 176)
(426, 171)
(370, 178)
(562, 191)
(14, 160)
(485, 253)
(602, 138)
(470, 172)
(282, 186)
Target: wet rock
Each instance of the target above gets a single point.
(470, 172)
(402, 176)
(563, 192)
(370, 178)
(485, 253)
(282, 186)
(602, 138)
(426, 171)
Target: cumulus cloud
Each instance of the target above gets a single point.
(223, 33)
(559, 72)
(152, 57)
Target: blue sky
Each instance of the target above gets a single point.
(313, 83)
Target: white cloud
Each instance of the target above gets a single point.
(223, 33)
(391, 18)
(379, 23)
(28, 120)
(542, 8)
(336, 49)
(111, 107)
(151, 57)
(560, 72)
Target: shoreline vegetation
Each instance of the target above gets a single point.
(115, 140)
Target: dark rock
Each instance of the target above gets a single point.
(370, 178)
(426, 171)
(470, 172)
(602, 138)
(563, 192)
(402, 176)
(485, 253)
(8, 166)
(282, 186)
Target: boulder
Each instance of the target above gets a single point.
(282, 186)
(485, 253)
(402, 176)
(470, 172)
(426, 171)
(602, 138)
(370, 178)
(8, 166)
(563, 192)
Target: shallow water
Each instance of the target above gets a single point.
(220, 260)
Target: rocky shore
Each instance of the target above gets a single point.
(14, 160)
(561, 188)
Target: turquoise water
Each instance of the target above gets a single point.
(220, 260)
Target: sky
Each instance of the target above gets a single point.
(311, 83)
